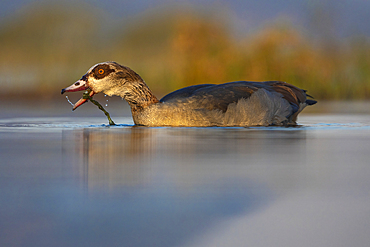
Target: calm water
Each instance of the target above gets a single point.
(71, 181)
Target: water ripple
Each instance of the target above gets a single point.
(309, 123)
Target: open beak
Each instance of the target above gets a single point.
(79, 85)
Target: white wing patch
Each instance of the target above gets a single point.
(263, 108)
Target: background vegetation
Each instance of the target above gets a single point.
(47, 47)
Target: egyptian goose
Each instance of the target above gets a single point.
(240, 103)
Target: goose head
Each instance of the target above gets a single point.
(109, 78)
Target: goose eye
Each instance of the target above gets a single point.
(101, 71)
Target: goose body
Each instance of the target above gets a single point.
(240, 103)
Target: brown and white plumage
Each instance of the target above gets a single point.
(240, 103)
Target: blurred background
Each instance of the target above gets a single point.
(321, 46)
(67, 180)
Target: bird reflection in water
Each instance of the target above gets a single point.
(107, 158)
(136, 157)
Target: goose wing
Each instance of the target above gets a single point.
(184, 93)
(211, 96)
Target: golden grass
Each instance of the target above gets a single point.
(176, 49)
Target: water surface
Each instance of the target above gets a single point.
(72, 181)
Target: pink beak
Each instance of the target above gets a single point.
(79, 85)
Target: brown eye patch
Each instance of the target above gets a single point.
(101, 71)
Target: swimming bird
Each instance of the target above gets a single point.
(239, 103)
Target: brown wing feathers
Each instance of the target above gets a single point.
(219, 96)
(291, 93)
